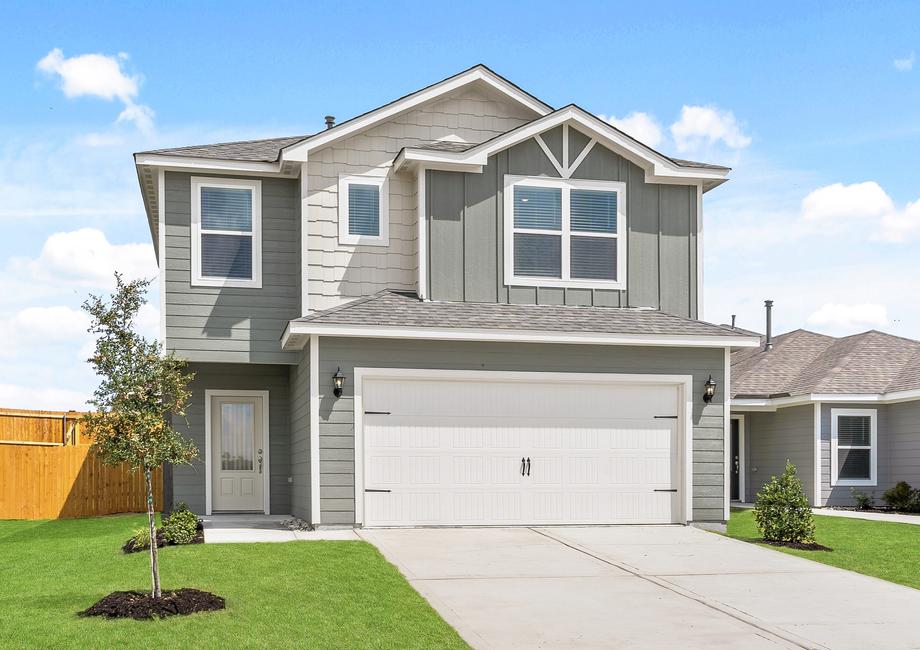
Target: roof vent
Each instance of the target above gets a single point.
(734, 316)
(330, 121)
(768, 343)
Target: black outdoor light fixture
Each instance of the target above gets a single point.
(338, 382)
(710, 389)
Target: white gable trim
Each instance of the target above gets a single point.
(298, 151)
(658, 168)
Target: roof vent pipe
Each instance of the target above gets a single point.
(733, 320)
(330, 121)
(768, 344)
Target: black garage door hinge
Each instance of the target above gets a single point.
(373, 490)
(376, 413)
(665, 417)
(665, 490)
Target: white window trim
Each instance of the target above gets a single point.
(383, 184)
(209, 394)
(198, 280)
(873, 461)
(566, 185)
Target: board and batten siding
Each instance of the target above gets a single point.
(189, 480)
(300, 436)
(465, 231)
(771, 439)
(233, 324)
(336, 416)
(339, 272)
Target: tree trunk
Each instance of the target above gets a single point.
(151, 519)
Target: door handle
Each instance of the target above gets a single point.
(260, 461)
(528, 466)
(522, 467)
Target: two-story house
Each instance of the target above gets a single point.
(462, 307)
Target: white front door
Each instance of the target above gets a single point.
(493, 452)
(237, 453)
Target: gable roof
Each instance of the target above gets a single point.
(806, 363)
(404, 315)
(265, 150)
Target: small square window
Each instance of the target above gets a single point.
(363, 211)
(854, 447)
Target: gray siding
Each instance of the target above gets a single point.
(465, 217)
(891, 442)
(233, 324)
(189, 480)
(773, 438)
(336, 416)
(903, 422)
(300, 436)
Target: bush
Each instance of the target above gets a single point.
(900, 496)
(782, 511)
(141, 537)
(181, 526)
(863, 501)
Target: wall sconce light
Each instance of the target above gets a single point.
(710, 390)
(338, 382)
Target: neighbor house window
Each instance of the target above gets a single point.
(565, 233)
(363, 211)
(854, 446)
(226, 232)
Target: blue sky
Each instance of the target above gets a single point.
(816, 106)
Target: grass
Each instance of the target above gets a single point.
(882, 549)
(295, 594)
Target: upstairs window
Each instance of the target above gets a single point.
(854, 447)
(226, 232)
(565, 233)
(363, 211)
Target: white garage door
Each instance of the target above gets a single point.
(442, 452)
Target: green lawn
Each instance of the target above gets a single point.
(295, 594)
(877, 548)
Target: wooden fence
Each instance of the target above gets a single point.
(48, 470)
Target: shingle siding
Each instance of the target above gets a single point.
(233, 324)
(336, 416)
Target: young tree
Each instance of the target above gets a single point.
(139, 389)
(782, 511)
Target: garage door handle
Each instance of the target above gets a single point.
(528, 466)
(665, 417)
(667, 490)
(373, 490)
(522, 467)
(376, 413)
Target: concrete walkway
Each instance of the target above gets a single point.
(643, 587)
(855, 514)
(226, 529)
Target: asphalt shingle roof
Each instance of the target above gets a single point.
(400, 309)
(804, 362)
(267, 150)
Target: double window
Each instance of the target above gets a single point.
(226, 232)
(565, 233)
(364, 211)
(854, 446)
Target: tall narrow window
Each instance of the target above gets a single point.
(564, 233)
(363, 211)
(226, 232)
(854, 442)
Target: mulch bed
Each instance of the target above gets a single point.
(800, 546)
(881, 511)
(131, 547)
(141, 606)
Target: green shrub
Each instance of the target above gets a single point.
(899, 497)
(863, 501)
(141, 537)
(181, 526)
(782, 511)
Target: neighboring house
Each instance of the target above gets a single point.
(845, 411)
(462, 307)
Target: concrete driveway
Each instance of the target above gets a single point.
(643, 587)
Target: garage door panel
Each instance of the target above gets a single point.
(451, 451)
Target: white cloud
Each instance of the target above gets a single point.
(102, 76)
(642, 126)
(42, 326)
(839, 201)
(703, 126)
(86, 258)
(46, 398)
(906, 64)
(849, 316)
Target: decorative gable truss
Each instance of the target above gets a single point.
(563, 166)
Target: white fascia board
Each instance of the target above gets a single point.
(211, 164)
(298, 151)
(295, 333)
(766, 404)
(413, 158)
(657, 167)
